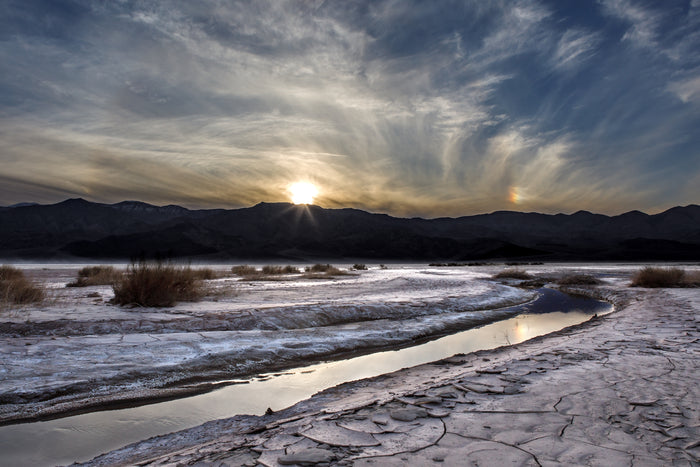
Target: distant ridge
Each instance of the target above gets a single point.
(76, 228)
(19, 205)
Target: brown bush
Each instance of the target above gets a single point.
(10, 272)
(323, 271)
(157, 285)
(278, 270)
(205, 274)
(579, 279)
(651, 276)
(96, 275)
(244, 270)
(512, 273)
(322, 268)
(16, 289)
(692, 279)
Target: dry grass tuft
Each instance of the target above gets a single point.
(651, 276)
(279, 270)
(96, 275)
(579, 279)
(16, 289)
(10, 273)
(158, 285)
(205, 274)
(512, 273)
(322, 268)
(322, 271)
(283, 273)
(692, 279)
(244, 270)
(267, 273)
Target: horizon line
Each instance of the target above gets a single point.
(301, 205)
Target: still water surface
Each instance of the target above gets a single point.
(81, 437)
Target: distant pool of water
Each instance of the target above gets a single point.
(82, 437)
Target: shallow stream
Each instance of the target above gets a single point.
(81, 437)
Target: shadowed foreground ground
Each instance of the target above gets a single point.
(619, 390)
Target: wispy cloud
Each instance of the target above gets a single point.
(643, 24)
(413, 107)
(688, 90)
(574, 47)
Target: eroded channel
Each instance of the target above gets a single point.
(81, 437)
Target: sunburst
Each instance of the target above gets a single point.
(303, 192)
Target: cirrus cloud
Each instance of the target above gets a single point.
(415, 108)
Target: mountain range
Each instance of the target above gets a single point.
(76, 228)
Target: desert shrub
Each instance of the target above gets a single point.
(692, 279)
(359, 267)
(157, 285)
(513, 273)
(96, 275)
(579, 279)
(532, 284)
(322, 271)
(272, 270)
(205, 274)
(16, 289)
(651, 276)
(277, 270)
(244, 270)
(321, 268)
(10, 273)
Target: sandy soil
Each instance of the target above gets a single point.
(618, 390)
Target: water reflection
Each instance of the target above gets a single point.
(82, 437)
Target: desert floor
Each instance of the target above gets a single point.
(618, 390)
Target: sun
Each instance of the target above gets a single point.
(303, 192)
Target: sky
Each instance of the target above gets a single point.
(412, 108)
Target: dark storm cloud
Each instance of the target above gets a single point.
(427, 108)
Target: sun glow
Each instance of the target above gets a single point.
(303, 192)
(514, 195)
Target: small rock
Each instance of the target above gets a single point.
(309, 456)
(408, 414)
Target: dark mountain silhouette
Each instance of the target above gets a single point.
(78, 228)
